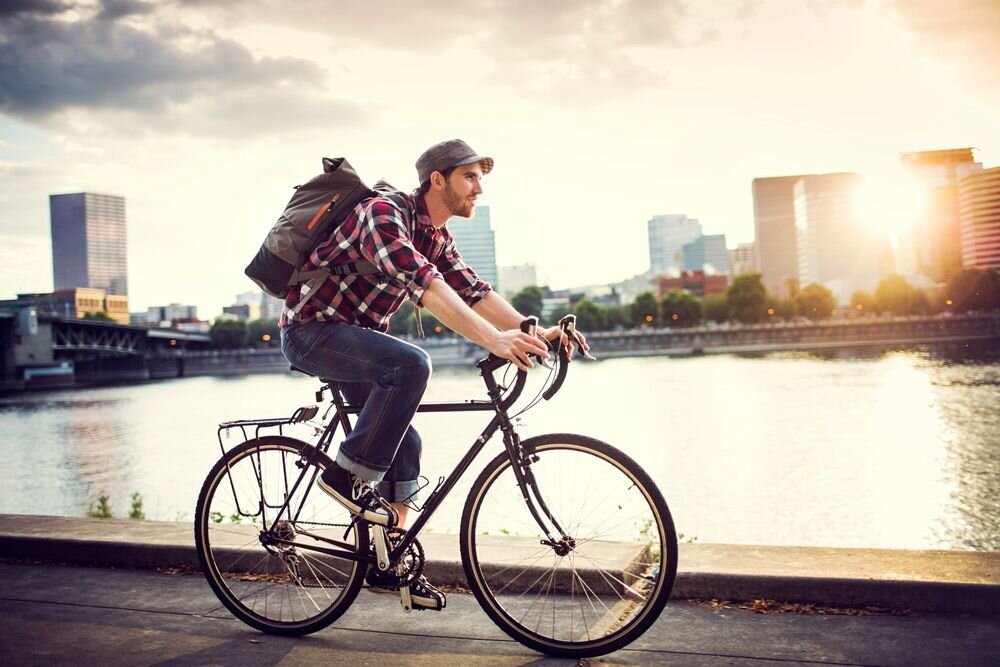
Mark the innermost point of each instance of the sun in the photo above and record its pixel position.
(889, 203)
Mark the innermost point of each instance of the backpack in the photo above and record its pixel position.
(314, 212)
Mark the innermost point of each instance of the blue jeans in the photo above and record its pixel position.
(388, 376)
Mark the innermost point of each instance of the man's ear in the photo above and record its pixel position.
(437, 178)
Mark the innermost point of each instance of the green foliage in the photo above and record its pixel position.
(529, 301)
(258, 329)
(616, 317)
(784, 308)
(895, 295)
(590, 316)
(645, 311)
(103, 508)
(815, 302)
(98, 315)
(973, 289)
(136, 511)
(680, 309)
(747, 298)
(715, 308)
(229, 334)
(863, 303)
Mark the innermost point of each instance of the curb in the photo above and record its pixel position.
(950, 582)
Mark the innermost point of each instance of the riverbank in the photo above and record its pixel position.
(956, 333)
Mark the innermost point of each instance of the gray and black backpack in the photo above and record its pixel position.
(313, 214)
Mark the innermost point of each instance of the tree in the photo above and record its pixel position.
(895, 295)
(590, 316)
(863, 303)
(229, 334)
(815, 302)
(680, 309)
(529, 301)
(783, 308)
(264, 333)
(616, 317)
(973, 289)
(715, 308)
(747, 298)
(644, 310)
(99, 315)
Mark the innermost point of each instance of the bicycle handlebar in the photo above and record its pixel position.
(529, 326)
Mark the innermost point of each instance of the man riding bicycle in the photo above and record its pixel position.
(339, 332)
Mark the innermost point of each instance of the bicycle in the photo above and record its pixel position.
(566, 542)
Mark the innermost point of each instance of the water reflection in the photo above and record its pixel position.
(888, 449)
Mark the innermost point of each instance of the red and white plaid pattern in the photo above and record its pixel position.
(409, 253)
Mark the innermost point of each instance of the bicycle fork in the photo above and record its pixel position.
(521, 464)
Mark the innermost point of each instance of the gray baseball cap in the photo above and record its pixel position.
(448, 154)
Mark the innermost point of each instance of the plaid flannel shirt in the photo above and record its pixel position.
(409, 253)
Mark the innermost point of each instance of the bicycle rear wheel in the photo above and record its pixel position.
(611, 574)
(262, 571)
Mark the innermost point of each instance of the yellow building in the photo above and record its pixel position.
(83, 301)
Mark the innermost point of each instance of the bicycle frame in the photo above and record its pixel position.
(520, 462)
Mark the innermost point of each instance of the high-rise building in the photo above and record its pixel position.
(667, 235)
(979, 213)
(706, 253)
(775, 241)
(937, 237)
(476, 241)
(88, 242)
(743, 259)
(835, 248)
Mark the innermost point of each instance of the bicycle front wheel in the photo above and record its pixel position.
(258, 521)
(604, 579)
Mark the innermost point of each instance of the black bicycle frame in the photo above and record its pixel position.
(520, 463)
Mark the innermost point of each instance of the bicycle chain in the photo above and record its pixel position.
(412, 561)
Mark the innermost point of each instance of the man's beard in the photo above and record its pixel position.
(456, 205)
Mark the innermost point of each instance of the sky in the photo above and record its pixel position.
(599, 114)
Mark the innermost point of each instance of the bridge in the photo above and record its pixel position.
(45, 350)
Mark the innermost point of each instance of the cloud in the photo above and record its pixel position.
(965, 32)
(123, 59)
(536, 47)
(13, 7)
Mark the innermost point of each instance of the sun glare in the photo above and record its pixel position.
(891, 202)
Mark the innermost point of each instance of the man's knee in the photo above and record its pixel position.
(414, 370)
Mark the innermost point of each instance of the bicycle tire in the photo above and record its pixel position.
(605, 592)
(278, 589)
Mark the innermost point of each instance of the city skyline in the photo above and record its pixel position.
(597, 120)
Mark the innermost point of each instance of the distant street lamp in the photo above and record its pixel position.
(266, 338)
(649, 318)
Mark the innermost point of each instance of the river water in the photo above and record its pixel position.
(897, 449)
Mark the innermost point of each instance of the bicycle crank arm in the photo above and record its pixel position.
(381, 548)
(405, 598)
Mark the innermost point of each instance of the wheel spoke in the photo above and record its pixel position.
(593, 598)
(264, 573)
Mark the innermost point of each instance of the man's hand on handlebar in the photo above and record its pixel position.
(578, 340)
(515, 345)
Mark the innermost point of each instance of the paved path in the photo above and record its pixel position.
(96, 616)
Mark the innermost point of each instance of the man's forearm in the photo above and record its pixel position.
(498, 312)
(444, 304)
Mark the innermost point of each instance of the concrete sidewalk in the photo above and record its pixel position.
(927, 581)
(69, 615)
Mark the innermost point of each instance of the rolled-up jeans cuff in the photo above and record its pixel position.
(397, 492)
(359, 469)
